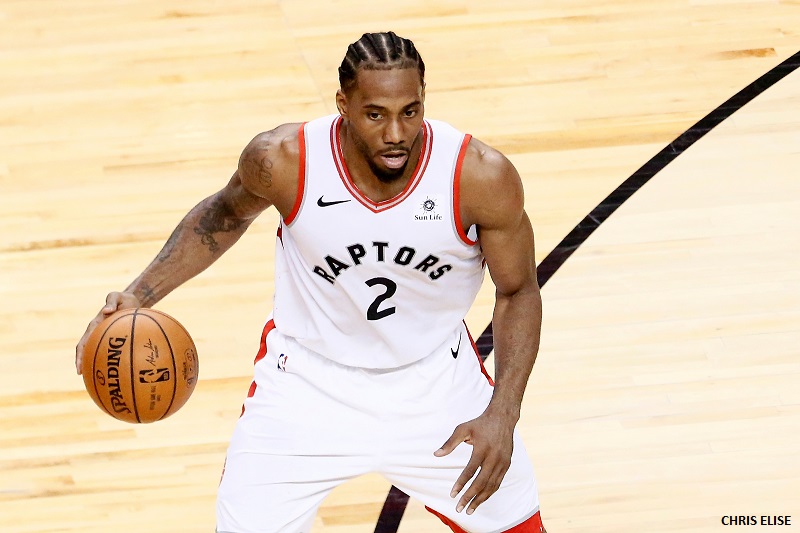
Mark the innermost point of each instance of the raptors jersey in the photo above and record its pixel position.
(375, 284)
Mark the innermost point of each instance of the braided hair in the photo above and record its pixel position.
(379, 51)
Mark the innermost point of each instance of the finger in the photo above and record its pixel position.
(466, 474)
(475, 488)
(78, 358)
(481, 497)
(486, 490)
(486, 484)
(81, 343)
(460, 434)
(112, 303)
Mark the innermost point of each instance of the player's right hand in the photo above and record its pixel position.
(114, 302)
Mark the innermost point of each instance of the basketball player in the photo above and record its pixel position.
(387, 222)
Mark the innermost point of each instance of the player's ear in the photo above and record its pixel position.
(341, 102)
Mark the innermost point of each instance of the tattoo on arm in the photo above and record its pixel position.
(166, 251)
(147, 294)
(259, 164)
(216, 218)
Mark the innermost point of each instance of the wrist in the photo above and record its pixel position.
(140, 295)
(507, 408)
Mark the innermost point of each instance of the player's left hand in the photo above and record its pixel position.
(491, 438)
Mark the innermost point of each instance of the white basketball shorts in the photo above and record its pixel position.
(310, 424)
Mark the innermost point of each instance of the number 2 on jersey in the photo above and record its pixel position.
(373, 313)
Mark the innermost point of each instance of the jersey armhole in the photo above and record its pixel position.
(462, 233)
(301, 175)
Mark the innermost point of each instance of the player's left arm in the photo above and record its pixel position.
(492, 198)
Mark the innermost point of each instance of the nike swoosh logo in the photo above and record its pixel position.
(323, 203)
(455, 352)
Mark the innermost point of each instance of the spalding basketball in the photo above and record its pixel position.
(140, 365)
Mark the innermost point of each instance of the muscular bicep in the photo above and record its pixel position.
(493, 200)
(509, 253)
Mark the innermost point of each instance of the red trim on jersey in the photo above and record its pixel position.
(301, 174)
(262, 352)
(531, 525)
(478, 355)
(344, 173)
(457, 191)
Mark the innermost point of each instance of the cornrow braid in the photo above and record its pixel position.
(379, 51)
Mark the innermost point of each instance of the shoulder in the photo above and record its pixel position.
(490, 189)
(284, 136)
(269, 163)
(279, 146)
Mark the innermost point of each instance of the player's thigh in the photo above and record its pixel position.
(291, 446)
(430, 479)
(259, 494)
(459, 392)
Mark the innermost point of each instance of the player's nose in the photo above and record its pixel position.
(393, 132)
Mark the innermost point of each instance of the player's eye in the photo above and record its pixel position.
(374, 115)
(411, 113)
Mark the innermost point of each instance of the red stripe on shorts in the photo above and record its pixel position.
(262, 352)
(531, 525)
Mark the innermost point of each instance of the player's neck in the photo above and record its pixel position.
(364, 177)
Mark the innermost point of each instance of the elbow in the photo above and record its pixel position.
(527, 291)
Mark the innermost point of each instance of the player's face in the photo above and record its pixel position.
(384, 111)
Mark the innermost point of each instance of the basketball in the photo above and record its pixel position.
(140, 365)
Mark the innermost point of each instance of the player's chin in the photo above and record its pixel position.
(386, 173)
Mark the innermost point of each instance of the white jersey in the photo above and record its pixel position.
(375, 284)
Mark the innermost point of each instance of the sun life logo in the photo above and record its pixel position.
(428, 210)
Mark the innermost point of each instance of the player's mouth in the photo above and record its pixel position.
(394, 159)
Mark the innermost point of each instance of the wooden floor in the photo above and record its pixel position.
(666, 392)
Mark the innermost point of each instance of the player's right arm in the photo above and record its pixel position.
(266, 175)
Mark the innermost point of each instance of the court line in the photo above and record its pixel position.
(396, 501)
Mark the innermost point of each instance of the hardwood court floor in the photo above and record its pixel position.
(664, 396)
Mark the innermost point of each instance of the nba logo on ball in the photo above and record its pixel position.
(149, 375)
(140, 365)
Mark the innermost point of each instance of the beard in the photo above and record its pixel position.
(386, 175)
